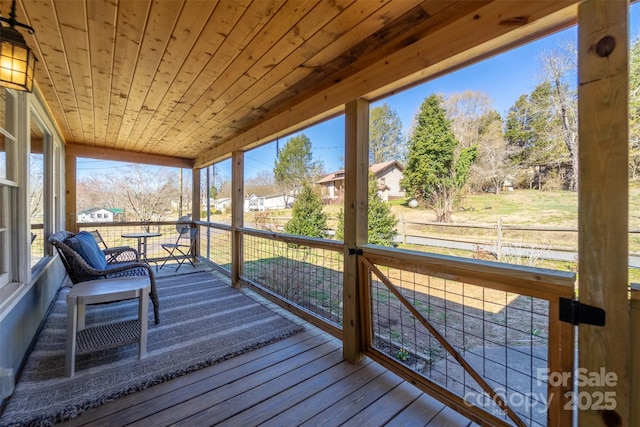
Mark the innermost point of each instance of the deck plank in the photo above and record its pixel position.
(351, 405)
(255, 395)
(223, 390)
(320, 401)
(386, 407)
(419, 413)
(138, 405)
(306, 389)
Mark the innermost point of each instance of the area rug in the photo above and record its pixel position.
(203, 321)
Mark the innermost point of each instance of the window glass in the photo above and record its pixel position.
(4, 231)
(3, 145)
(37, 191)
(3, 158)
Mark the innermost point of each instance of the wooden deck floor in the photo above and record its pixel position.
(302, 380)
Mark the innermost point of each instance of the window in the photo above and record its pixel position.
(41, 178)
(8, 188)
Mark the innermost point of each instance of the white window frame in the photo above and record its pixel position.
(16, 272)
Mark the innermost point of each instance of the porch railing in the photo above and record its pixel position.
(481, 336)
(305, 273)
(112, 232)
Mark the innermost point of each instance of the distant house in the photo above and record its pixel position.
(220, 204)
(388, 175)
(99, 215)
(263, 203)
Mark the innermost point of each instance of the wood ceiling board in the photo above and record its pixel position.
(494, 20)
(255, 17)
(160, 23)
(193, 18)
(72, 20)
(223, 23)
(132, 18)
(102, 23)
(273, 99)
(292, 41)
(373, 20)
(273, 40)
(274, 81)
(52, 62)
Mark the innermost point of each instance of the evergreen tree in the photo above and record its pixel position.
(385, 135)
(437, 169)
(307, 219)
(634, 110)
(295, 165)
(382, 223)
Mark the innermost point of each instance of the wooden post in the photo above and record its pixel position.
(499, 240)
(71, 215)
(635, 354)
(355, 223)
(603, 79)
(404, 230)
(237, 215)
(195, 205)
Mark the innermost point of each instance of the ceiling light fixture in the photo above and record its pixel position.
(17, 61)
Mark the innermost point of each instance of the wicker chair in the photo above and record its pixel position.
(115, 254)
(79, 270)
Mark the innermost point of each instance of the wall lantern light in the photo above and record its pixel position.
(17, 61)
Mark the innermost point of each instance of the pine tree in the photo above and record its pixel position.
(295, 165)
(385, 135)
(382, 223)
(437, 169)
(307, 219)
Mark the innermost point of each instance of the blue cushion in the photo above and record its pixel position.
(87, 247)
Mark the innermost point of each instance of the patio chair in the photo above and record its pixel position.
(183, 248)
(84, 260)
(115, 254)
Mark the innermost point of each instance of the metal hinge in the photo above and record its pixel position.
(353, 251)
(575, 312)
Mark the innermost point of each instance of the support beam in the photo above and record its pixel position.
(71, 215)
(195, 203)
(635, 354)
(603, 77)
(128, 156)
(237, 215)
(355, 223)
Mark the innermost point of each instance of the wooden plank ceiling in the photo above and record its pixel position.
(198, 79)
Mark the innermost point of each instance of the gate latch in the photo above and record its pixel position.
(575, 312)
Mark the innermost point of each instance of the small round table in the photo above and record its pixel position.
(142, 242)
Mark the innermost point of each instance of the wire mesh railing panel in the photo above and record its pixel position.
(308, 277)
(215, 245)
(114, 234)
(504, 336)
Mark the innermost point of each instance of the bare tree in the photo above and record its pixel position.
(145, 193)
(559, 67)
(467, 112)
(475, 123)
(36, 170)
(493, 166)
(263, 183)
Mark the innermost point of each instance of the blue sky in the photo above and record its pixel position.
(504, 78)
